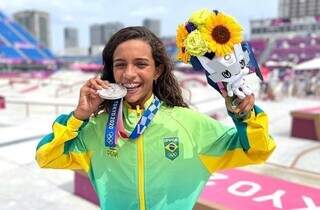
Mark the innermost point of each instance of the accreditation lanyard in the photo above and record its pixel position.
(115, 128)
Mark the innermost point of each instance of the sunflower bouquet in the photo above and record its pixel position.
(213, 41)
(207, 32)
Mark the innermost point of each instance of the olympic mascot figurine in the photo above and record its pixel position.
(213, 41)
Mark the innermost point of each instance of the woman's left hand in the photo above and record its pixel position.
(245, 105)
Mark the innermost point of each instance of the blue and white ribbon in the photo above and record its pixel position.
(111, 127)
(115, 116)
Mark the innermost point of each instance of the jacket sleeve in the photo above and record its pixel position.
(248, 143)
(63, 148)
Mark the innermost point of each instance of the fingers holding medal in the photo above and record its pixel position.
(93, 85)
(92, 94)
(89, 99)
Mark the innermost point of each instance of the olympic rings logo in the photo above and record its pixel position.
(110, 137)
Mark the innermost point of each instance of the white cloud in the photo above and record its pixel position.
(69, 19)
(154, 11)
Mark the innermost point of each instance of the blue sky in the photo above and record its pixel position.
(81, 14)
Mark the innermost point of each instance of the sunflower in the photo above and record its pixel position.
(183, 55)
(182, 34)
(221, 32)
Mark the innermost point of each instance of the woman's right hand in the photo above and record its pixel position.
(89, 99)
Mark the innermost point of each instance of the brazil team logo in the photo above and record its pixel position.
(171, 147)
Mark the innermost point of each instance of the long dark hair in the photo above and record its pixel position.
(166, 87)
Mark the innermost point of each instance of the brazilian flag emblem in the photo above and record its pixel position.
(171, 147)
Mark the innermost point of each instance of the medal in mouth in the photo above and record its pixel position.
(113, 92)
(132, 87)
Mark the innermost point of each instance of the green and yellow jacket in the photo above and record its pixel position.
(167, 167)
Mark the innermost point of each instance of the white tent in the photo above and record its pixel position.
(272, 63)
(183, 65)
(308, 65)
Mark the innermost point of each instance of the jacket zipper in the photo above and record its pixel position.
(140, 167)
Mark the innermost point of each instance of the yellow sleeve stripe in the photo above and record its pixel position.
(257, 133)
(254, 131)
(73, 160)
(73, 123)
(52, 154)
(231, 159)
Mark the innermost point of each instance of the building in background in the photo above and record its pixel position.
(20, 51)
(108, 29)
(284, 27)
(100, 35)
(71, 39)
(298, 8)
(291, 38)
(296, 18)
(153, 25)
(95, 35)
(37, 23)
(71, 43)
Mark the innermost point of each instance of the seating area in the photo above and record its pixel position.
(258, 46)
(9, 52)
(33, 54)
(19, 46)
(8, 34)
(296, 49)
(21, 30)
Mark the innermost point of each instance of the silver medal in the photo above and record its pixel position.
(113, 92)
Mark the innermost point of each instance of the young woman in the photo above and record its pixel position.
(167, 164)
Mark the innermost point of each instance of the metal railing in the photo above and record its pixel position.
(50, 102)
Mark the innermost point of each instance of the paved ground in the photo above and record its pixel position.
(25, 186)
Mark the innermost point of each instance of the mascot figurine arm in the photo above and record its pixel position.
(212, 41)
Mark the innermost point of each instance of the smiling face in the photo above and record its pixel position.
(134, 68)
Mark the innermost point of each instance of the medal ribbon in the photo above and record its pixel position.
(115, 128)
(111, 131)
